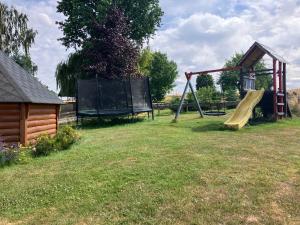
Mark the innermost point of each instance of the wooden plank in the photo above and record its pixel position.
(14, 138)
(9, 118)
(9, 132)
(41, 122)
(57, 115)
(11, 112)
(23, 124)
(41, 106)
(42, 111)
(41, 128)
(36, 135)
(9, 125)
(9, 106)
(41, 117)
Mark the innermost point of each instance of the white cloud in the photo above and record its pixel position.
(210, 33)
(196, 34)
(47, 52)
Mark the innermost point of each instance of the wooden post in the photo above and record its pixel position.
(57, 107)
(280, 89)
(275, 89)
(284, 89)
(23, 123)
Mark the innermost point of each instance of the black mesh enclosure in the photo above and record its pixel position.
(87, 96)
(104, 97)
(140, 95)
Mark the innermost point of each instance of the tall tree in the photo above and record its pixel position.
(229, 80)
(144, 61)
(16, 37)
(205, 80)
(109, 52)
(144, 16)
(25, 62)
(66, 74)
(15, 33)
(162, 73)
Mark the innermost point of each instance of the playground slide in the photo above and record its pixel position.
(244, 110)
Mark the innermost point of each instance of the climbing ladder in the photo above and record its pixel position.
(281, 108)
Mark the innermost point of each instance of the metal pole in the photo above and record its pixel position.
(196, 99)
(76, 97)
(98, 93)
(182, 100)
(150, 96)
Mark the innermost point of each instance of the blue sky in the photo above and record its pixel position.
(197, 35)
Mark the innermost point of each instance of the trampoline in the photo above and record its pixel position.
(99, 97)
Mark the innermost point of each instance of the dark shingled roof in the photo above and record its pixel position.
(17, 85)
(256, 52)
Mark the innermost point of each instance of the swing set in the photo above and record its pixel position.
(274, 101)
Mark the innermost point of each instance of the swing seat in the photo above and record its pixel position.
(214, 113)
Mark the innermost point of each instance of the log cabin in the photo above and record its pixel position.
(27, 107)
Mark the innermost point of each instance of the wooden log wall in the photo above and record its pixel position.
(42, 119)
(23, 123)
(10, 123)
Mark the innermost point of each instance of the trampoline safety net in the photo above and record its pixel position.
(103, 97)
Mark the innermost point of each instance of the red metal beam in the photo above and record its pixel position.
(213, 71)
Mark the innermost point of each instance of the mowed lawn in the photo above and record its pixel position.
(159, 172)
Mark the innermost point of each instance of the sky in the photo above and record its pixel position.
(196, 34)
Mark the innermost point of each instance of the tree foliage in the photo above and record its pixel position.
(66, 74)
(144, 61)
(16, 37)
(109, 52)
(15, 33)
(205, 80)
(230, 80)
(207, 95)
(161, 70)
(25, 62)
(144, 16)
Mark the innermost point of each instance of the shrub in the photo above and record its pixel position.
(44, 145)
(65, 137)
(295, 109)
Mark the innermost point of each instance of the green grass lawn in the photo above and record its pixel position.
(159, 172)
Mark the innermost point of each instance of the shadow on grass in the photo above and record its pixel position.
(260, 121)
(212, 126)
(95, 123)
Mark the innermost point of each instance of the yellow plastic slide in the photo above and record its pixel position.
(244, 110)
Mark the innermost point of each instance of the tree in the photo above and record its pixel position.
(66, 74)
(230, 80)
(109, 52)
(25, 62)
(144, 16)
(205, 80)
(162, 73)
(144, 61)
(16, 37)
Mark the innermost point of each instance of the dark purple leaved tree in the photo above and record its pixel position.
(109, 52)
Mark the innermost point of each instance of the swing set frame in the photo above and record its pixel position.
(189, 76)
(246, 66)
